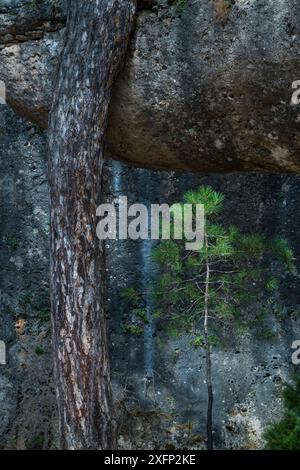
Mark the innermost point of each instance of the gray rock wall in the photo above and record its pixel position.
(26, 392)
(167, 408)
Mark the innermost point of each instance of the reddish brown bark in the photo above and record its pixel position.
(96, 39)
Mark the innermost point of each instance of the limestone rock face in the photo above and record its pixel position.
(248, 370)
(204, 88)
(30, 43)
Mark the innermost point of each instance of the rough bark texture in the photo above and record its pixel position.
(96, 39)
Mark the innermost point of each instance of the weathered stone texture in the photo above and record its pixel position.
(201, 90)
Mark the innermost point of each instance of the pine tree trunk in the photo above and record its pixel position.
(210, 397)
(96, 38)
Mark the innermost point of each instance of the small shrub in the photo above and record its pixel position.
(285, 435)
(132, 329)
(44, 315)
(12, 243)
(39, 351)
(25, 299)
(181, 5)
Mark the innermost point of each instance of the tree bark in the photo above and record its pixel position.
(210, 397)
(96, 39)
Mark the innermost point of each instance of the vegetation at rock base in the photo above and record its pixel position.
(285, 435)
(39, 351)
(12, 243)
(138, 316)
(181, 5)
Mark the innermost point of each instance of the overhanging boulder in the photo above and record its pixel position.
(206, 89)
